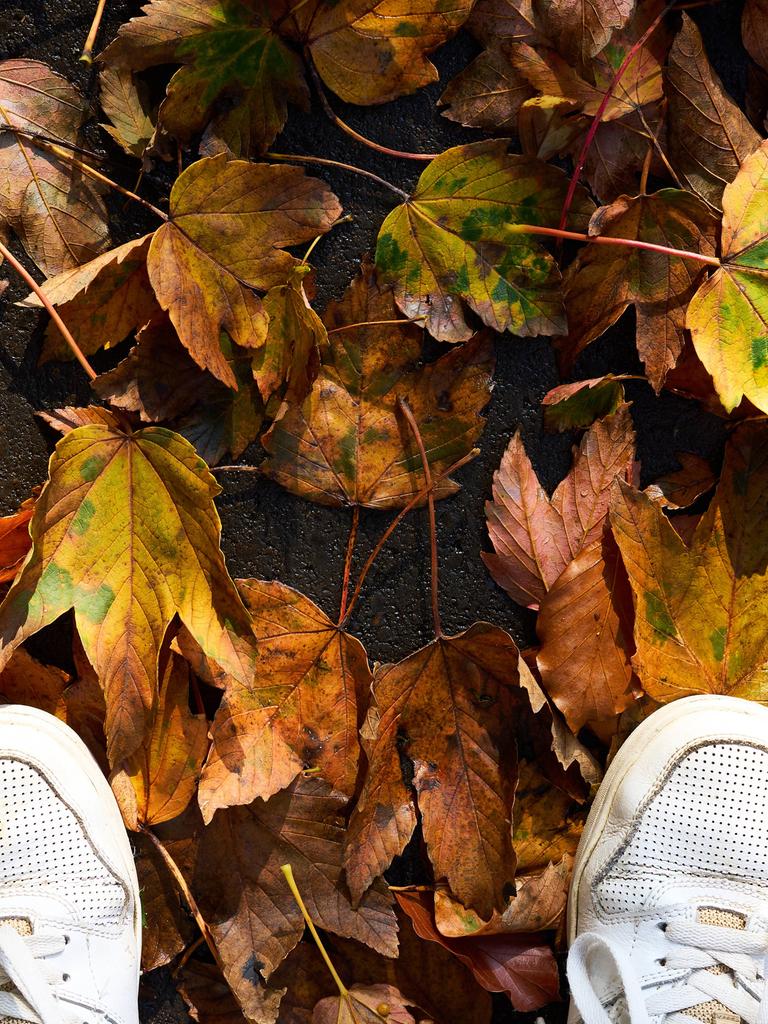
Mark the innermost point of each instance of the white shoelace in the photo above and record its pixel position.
(22, 964)
(696, 947)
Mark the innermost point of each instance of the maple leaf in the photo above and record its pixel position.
(166, 927)
(709, 136)
(449, 708)
(682, 487)
(347, 443)
(518, 965)
(535, 537)
(210, 1000)
(299, 710)
(695, 627)
(452, 241)
(229, 223)
(728, 315)
(578, 405)
(59, 216)
(125, 532)
(548, 822)
(125, 103)
(237, 77)
(233, 869)
(605, 280)
(493, 20)
(159, 779)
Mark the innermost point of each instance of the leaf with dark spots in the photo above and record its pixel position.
(125, 532)
(299, 710)
(451, 243)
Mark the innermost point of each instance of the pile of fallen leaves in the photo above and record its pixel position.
(242, 728)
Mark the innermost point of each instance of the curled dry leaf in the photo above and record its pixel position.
(157, 782)
(57, 213)
(709, 136)
(451, 710)
(578, 405)
(347, 443)
(695, 627)
(728, 315)
(535, 537)
(520, 966)
(126, 104)
(299, 710)
(233, 870)
(125, 532)
(605, 280)
(682, 487)
(451, 243)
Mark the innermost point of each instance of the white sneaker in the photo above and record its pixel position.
(668, 910)
(70, 918)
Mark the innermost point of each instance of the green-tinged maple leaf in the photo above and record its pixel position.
(709, 136)
(57, 213)
(158, 780)
(300, 710)
(232, 867)
(230, 222)
(578, 405)
(451, 242)
(125, 532)
(237, 77)
(605, 280)
(451, 709)
(728, 315)
(347, 443)
(696, 626)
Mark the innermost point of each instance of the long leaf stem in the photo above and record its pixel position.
(77, 352)
(405, 409)
(632, 243)
(376, 323)
(582, 158)
(287, 871)
(348, 561)
(349, 130)
(293, 158)
(415, 500)
(87, 55)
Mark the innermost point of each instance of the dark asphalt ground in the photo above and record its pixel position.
(267, 532)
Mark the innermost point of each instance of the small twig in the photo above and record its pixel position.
(348, 561)
(287, 871)
(632, 243)
(376, 323)
(77, 352)
(292, 158)
(654, 137)
(646, 168)
(582, 159)
(405, 409)
(87, 55)
(235, 469)
(334, 117)
(188, 953)
(39, 137)
(398, 519)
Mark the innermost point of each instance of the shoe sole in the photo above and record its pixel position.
(49, 727)
(629, 754)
